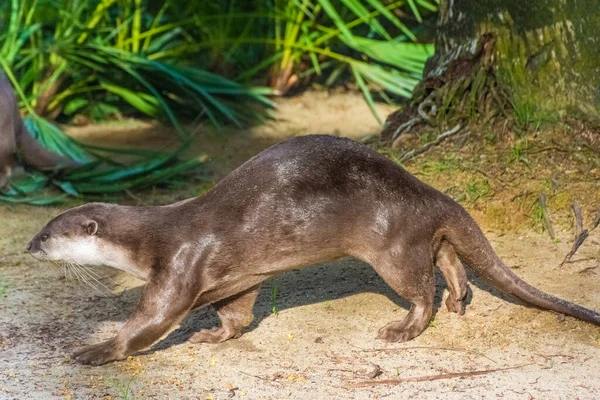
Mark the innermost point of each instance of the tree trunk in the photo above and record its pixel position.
(537, 60)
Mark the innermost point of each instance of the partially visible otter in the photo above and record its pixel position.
(304, 201)
(16, 144)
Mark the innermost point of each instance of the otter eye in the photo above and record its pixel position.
(44, 237)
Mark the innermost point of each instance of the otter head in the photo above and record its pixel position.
(72, 236)
(82, 235)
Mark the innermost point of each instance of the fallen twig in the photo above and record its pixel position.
(255, 376)
(596, 221)
(413, 153)
(433, 348)
(542, 200)
(578, 219)
(580, 239)
(427, 378)
(576, 245)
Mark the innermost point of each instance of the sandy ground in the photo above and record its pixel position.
(320, 343)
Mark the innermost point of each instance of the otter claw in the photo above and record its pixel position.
(97, 354)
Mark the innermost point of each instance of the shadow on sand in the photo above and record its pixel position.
(302, 287)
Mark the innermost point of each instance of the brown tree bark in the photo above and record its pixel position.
(537, 60)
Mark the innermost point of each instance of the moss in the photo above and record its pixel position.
(547, 51)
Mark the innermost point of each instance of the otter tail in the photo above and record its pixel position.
(34, 155)
(474, 249)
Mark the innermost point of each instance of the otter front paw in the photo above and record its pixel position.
(98, 354)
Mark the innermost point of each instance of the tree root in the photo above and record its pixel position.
(443, 136)
(465, 91)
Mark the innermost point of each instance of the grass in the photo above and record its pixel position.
(476, 189)
(529, 116)
(122, 387)
(448, 163)
(518, 150)
(536, 215)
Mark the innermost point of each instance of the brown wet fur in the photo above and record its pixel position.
(455, 275)
(307, 200)
(17, 146)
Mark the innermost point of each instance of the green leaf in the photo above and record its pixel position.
(366, 92)
(53, 139)
(66, 187)
(74, 105)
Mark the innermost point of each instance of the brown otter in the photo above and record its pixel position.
(303, 201)
(17, 146)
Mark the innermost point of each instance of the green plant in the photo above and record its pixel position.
(518, 150)
(491, 137)
(392, 154)
(101, 58)
(122, 388)
(386, 63)
(477, 189)
(529, 115)
(330, 41)
(536, 216)
(98, 175)
(449, 163)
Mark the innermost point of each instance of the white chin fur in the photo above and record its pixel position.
(92, 251)
(83, 251)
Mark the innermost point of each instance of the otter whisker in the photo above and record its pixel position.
(90, 270)
(80, 277)
(87, 272)
(94, 273)
(56, 267)
(90, 280)
(75, 272)
(67, 272)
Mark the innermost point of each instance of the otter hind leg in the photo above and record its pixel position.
(413, 279)
(8, 148)
(5, 174)
(235, 313)
(455, 275)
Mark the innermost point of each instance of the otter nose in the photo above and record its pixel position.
(28, 248)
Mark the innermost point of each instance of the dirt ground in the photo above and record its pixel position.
(314, 336)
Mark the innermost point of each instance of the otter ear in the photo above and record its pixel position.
(91, 227)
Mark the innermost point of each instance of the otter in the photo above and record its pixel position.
(17, 146)
(304, 201)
